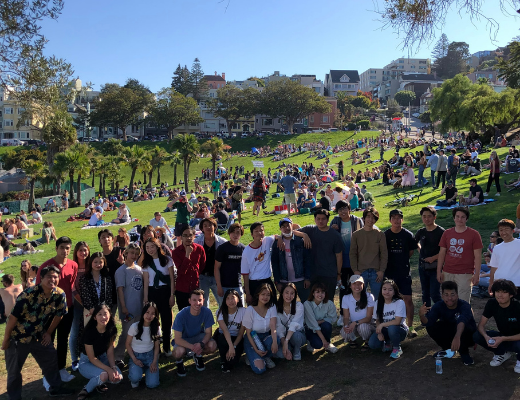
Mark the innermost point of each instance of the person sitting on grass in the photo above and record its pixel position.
(451, 193)
(481, 290)
(358, 308)
(96, 218)
(86, 213)
(476, 195)
(504, 341)
(123, 215)
(391, 328)
(450, 323)
(192, 331)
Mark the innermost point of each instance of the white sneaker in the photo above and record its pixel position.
(340, 322)
(517, 367)
(46, 384)
(135, 385)
(269, 363)
(247, 361)
(332, 349)
(486, 195)
(65, 376)
(497, 194)
(309, 348)
(499, 360)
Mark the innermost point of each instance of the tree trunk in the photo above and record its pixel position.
(31, 194)
(104, 194)
(170, 133)
(93, 179)
(71, 187)
(112, 183)
(131, 186)
(150, 179)
(158, 175)
(214, 161)
(124, 133)
(175, 174)
(144, 178)
(100, 183)
(57, 188)
(186, 175)
(117, 188)
(78, 194)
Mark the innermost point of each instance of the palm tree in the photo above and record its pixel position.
(147, 168)
(159, 158)
(134, 159)
(188, 148)
(65, 163)
(175, 160)
(82, 153)
(35, 170)
(215, 147)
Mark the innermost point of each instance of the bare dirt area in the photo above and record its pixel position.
(350, 373)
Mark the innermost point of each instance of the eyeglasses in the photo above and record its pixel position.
(492, 236)
(187, 236)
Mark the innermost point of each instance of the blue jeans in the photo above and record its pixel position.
(394, 334)
(251, 354)
(484, 281)
(430, 286)
(93, 373)
(74, 331)
(206, 283)
(502, 348)
(297, 340)
(422, 180)
(370, 276)
(432, 177)
(314, 339)
(135, 373)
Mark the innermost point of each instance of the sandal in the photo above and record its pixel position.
(83, 394)
(365, 346)
(103, 388)
(352, 344)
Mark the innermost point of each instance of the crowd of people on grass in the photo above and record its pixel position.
(275, 296)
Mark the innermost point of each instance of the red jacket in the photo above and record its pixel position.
(188, 269)
(68, 276)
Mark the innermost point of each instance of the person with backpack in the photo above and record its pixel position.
(453, 166)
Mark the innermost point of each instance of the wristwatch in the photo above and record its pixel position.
(357, 323)
(202, 344)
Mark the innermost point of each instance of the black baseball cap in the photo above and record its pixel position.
(396, 212)
(450, 182)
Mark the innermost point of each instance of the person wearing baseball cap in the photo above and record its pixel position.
(183, 214)
(357, 309)
(293, 263)
(401, 244)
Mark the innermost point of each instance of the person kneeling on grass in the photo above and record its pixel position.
(260, 323)
(192, 331)
(391, 328)
(97, 362)
(320, 314)
(358, 308)
(143, 344)
(506, 311)
(450, 323)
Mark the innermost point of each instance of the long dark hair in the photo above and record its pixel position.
(88, 268)
(263, 286)
(148, 259)
(111, 328)
(363, 300)
(224, 308)
(381, 299)
(154, 325)
(76, 249)
(279, 304)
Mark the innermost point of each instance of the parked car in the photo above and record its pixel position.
(11, 142)
(416, 115)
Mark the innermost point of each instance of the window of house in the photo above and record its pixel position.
(312, 118)
(373, 77)
(401, 61)
(325, 118)
(412, 66)
(267, 121)
(337, 86)
(422, 67)
(8, 110)
(20, 110)
(8, 122)
(422, 62)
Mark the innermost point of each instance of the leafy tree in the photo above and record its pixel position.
(199, 85)
(392, 107)
(181, 80)
(188, 149)
(112, 147)
(425, 117)
(233, 103)
(175, 161)
(215, 147)
(362, 100)
(35, 170)
(75, 160)
(509, 68)
(172, 109)
(261, 82)
(405, 97)
(159, 157)
(440, 50)
(134, 158)
(14, 158)
(291, 101)
(83, 153)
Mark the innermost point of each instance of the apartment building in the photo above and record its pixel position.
(342, 80)
(10, 115)
(311, 82)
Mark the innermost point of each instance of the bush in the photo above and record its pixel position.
(24, 195)
(397, 115)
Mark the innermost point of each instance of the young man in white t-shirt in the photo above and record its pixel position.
(505, 259)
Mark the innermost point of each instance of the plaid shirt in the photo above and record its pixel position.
(35, 312)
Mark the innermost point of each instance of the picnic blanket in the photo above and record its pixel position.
(486, 201)
(106, 225)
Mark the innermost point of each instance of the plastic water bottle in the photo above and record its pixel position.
(258, 342)
(438, 365)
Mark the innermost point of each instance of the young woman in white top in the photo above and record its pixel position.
(260, 318)
(230, 335)
(358, 307)
(289, 324)
(320, 314)
(143, 347)
(391, 328)
(159, 286)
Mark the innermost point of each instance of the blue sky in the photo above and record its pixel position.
(112, 40)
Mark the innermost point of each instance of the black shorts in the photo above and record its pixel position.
(177, 231)
(403, 282)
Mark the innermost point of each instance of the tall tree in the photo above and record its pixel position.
(172, 109)
(199, 86)
(405, 97)
(392, 107)
(181, 80)
(175, 161)
(509, 67)
(83, 154)
(440, 49)
(215, 147)
(188, 148)
(457, 59)
(291, 101)
(134, 158)
(35, 170)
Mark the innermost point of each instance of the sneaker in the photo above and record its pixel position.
(75, 365)
(224, 368)
(168, 353)
(269, 363)
(46, 384)
(190, 354)
(309, 348)
(486, 195)
(387, 347)
(412, 334)
(297, 356)
(181, 371)
(332, 349)
(199, 363)
(396, 353)
(61, 391)
(65, 376)
(517, 367)
(134, 385)
(247, 362)
(499, 360)
(466, 359)
(120, 364)
(497, 195)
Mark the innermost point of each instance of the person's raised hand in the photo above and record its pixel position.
(423, 310)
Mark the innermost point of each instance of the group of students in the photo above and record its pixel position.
(81, 296)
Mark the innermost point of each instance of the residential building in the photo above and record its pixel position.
(323, 120)
(424, 101)
(310, 81)
(370, 79)
(215, 81)
(419, 84)
(342, 80)
(490, 74)
(10, 115)
(274, 77)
